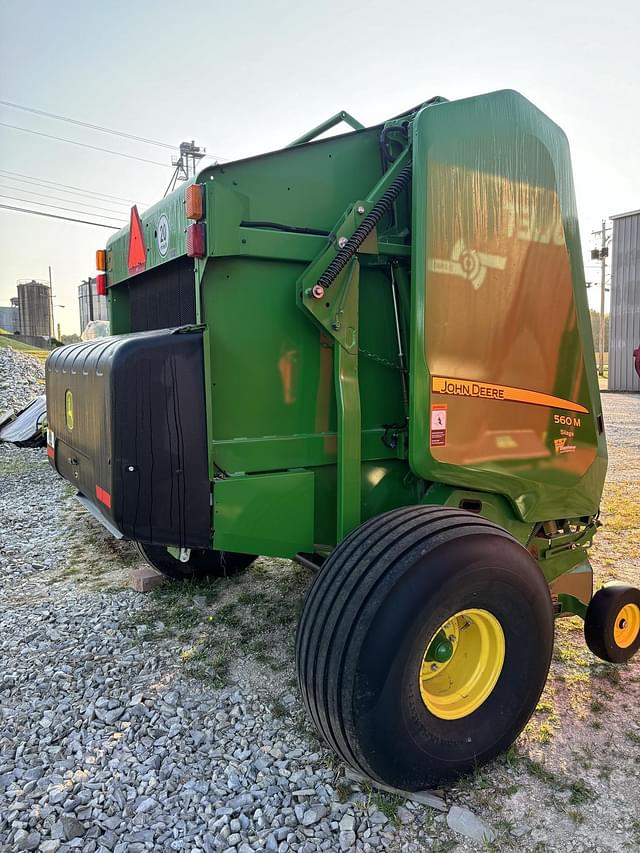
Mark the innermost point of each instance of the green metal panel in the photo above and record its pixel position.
(494, 507)
(164, 225)
(307, 186)
(270, 514)
(273, 401)
(499, 300)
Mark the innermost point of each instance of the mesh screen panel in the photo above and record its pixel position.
(164, 297)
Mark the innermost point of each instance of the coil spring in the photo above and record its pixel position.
(365, 228)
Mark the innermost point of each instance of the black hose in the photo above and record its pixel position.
(278, 226)
(309, 561)
(385, 157)
(365, 228)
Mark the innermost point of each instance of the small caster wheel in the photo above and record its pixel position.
(202, 563)
(612, 623)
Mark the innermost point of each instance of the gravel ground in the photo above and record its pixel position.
(21, 379)
(171, 721)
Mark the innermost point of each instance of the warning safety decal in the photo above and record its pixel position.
(438, 426)
(488, 391)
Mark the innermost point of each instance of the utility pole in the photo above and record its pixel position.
(52, 328)
(601, 255)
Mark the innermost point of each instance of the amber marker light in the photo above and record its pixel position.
(194, 201)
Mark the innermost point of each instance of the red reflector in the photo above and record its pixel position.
(51, 453)
(137, 257)
(103, 497)
(101, 284)
(195, 240)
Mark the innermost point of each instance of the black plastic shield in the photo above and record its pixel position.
(127, 427)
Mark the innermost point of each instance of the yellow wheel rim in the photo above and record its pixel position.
(627, 626)
(472, 641)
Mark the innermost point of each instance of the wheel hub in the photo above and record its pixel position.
(627, 625)
(462, 663)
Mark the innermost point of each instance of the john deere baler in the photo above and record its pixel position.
(370, 353)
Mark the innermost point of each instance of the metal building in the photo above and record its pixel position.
(624, 331)
(9, 319)
(34, 308)
(92, 307)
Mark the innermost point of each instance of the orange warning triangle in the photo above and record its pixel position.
(137, 258)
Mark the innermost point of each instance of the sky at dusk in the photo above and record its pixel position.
(244, 77)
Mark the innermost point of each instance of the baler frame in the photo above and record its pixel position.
(333, 303)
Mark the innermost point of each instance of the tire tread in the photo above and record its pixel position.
(333, 611)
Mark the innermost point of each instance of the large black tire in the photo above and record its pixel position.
(372, 610)
(612, 623)
(202, 562)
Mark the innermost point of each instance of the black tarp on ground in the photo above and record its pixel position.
(25, 429)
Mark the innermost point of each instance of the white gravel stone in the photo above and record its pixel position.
(21, 379)
(347, 822)
(314, 815)
(347, 840)
(465, 822)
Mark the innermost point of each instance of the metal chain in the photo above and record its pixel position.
(374, 357)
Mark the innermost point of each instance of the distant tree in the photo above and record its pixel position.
(595, 328)
(70, 339)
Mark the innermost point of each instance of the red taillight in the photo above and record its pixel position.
(196, 240)
(101, 284)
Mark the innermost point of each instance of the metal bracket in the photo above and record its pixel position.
(347, 386)
(182, 554)
(336, 310)
(343, 115)
(329, 311)
(569, 542)
(571, 604)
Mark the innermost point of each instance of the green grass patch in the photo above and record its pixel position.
(10, 341)
(387, 804)
(252, 615)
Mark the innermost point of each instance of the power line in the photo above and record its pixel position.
(31, 179)
(55, 216)
(89, 125)
(56, 207)
(59, 198)
(83, 144)
(101, 128)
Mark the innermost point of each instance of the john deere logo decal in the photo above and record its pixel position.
(68, 409)
(468, 264)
